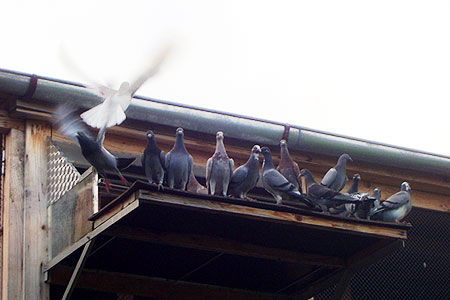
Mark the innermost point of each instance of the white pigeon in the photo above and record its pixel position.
(112, 110)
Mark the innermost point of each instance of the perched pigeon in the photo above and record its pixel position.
(377, 195)
(92, 149)
(322, 195)
(354, 186)
(396, 207)
(112, 110)
(153, 161)
(336, 178)
(219, 169)
(289, 168)
(276, 184)
(362, 209)
(194, 186)
(179, 163)
(246, 176)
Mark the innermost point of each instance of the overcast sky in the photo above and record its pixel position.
(377, 70)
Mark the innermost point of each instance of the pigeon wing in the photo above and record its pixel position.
(162, 159)
(239, 175)
(329, 177)
(277, 181)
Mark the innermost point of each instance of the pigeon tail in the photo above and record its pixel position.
(104, 115)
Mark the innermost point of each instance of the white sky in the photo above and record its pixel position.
(378, 70)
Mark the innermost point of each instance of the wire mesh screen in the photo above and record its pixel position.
(419, 270)
(62, 175)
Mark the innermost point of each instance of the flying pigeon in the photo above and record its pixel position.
(116, 101)
(322, 195)
(92, 149)
(336, 178)
(354, 186)
(289, 168)
(219, 169)
(153, 161)
(194, 186)
(179, 163)
(396, 207)
(246, 176)
(276, 184)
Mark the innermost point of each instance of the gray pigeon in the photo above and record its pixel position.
(153, 161)
(219, 169)
(289, 168)
(276, 184)
(354, 186)
(246, 176)
(194, 186)
(322, 195)
(377, 195)
(336, 178)
(92, 149)
(396, 207)
(179, 163)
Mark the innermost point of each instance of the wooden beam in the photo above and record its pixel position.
(158, 288)
(13, 194)
(7, 123)
(35, 209)
(78, 269)
(211, 243)
(274, 216)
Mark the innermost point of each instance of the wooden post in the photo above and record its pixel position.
(35, 209)
(12, 256)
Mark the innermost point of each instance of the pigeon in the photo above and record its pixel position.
(289, 168)
(354, 186)
(396, 207)
(246, 176)
(377, 195)
(322, 195)
(179, 163)
(276, 184)
(362, 209)
(219, 169)
(116, 101)
(153, 160)
(194, 186)
(336, 178)
(92, 149)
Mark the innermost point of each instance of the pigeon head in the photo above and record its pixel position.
(219, 135)
(265, 151)
(124, 87)
(345, 157)
(180, 131)
(150, 135)
(305, 172)
(357, 177)
(256, 149)
(283, 143)
(405, 187)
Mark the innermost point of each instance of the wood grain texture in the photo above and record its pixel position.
(13, 194)
(35, 209)
(157, 288)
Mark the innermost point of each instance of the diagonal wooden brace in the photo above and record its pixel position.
(76, 273)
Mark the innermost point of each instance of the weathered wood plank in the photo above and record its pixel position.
(7, 123)
(110, 213)
(13, 194)
(275, 216)
(157, 288)
(35, 209)
(211, 243)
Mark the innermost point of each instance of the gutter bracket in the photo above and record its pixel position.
(31, 87)
(287, 129)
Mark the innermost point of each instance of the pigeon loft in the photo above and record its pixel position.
(64, 235)
(173, 244)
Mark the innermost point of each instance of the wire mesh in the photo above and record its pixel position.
(419, 270)
(62, 175)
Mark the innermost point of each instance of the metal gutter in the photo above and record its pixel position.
(258, 131)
